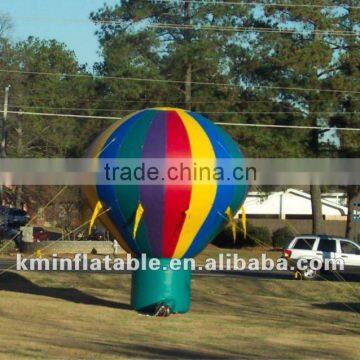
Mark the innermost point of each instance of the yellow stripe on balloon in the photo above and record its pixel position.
(202, 193)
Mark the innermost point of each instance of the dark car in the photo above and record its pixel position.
(40, 234)
(97, 235)
(10, 221)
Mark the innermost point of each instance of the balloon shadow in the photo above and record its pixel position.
(339, 306)
(10, 281)
(153, 352)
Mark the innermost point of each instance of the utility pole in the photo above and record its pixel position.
(3, 135)
(188, 74)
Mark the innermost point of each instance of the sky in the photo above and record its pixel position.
(41, 18)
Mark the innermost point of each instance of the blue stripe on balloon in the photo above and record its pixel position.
(224, 193)
(240, 189)
(107, 192)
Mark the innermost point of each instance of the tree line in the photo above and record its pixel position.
(284, 65)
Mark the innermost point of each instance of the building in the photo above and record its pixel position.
(293, 204)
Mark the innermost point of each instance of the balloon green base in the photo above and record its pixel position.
(171, 288)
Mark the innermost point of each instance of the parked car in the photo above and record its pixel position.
(12, 218)
(97, 235)
(320, 248)
(40, 234)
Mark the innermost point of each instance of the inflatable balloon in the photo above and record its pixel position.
(166, 219)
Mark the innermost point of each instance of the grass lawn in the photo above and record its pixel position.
(212, 251)
(87, 316)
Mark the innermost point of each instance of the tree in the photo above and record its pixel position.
(39, 136)
(137, 40)
(36, 136)
(346, 77)
(306, 59)
(5, 26)
(136, 43)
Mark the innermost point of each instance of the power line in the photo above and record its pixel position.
(284, 112)
(252, 29)
(205, 111)
(68, 108)
(161, 101)
(172, 81)
(218, 123)
(288, 126)
(62, 115)
(276, 112)
(261, 4)
(203, 27)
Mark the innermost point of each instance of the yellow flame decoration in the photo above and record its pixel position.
(95, 214)
(232, 222)
(243, 220)
(138, 216)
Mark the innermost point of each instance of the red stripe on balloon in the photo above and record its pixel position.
(177, 197)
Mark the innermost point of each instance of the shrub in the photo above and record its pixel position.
(256, 235)
(259, 235)
(225, 238)
(282, 236)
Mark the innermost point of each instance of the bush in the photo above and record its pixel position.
(256, 235)
(225, 238)
(281, 237)
(259, 235)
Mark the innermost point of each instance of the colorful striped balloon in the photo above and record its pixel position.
(168, 220)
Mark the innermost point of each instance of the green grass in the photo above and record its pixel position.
(87, 316)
